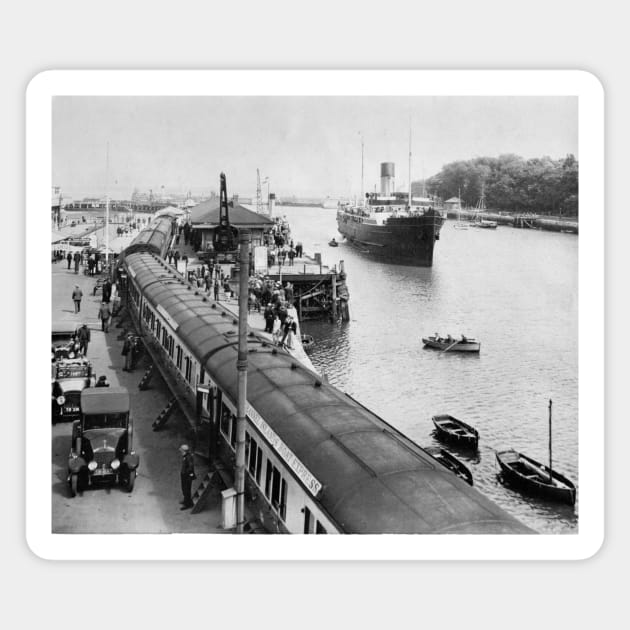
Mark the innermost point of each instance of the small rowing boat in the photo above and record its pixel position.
(453, 430)
(535, 478)
(450, 344)
(451, 462)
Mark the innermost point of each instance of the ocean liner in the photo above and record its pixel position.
(392, 225)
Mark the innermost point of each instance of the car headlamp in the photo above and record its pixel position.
(115, 464)
(92, 466)
(71, 354)
(61, 400)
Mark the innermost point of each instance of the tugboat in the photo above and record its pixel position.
(333, 243)
(392, 225)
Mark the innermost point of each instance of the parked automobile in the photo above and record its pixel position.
(64, 341)
(101, 451)
(69, 378)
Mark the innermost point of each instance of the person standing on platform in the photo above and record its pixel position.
(298, 250)
(187, 475)
(288, 291)
(77, 296)
(269, 316)
(77, 260)
(289, 327)
(69, 259)
(127, 352)
(84, 337)
(107, 290)
(105, 315)
(216, 290)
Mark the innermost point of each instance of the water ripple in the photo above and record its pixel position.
(516, 291)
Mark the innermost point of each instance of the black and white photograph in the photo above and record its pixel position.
(318, 313)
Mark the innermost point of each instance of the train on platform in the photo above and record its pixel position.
(317, 461)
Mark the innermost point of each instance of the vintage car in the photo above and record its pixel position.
(69, 378)
(101, 449)
(64, 342)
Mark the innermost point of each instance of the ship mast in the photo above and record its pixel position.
(362, 192)
(410, 164)
(107, 207)
(259, 209)
(550, 468)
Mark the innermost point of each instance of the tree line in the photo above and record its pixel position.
(509, 182)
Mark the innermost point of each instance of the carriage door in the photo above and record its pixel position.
(203, 430)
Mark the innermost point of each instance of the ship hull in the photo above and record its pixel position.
(408, 241)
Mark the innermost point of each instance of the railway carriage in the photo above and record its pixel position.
(156, 237)
(317, 461)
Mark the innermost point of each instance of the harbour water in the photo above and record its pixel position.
(515, 291)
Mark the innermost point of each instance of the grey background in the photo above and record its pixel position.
(459, 35)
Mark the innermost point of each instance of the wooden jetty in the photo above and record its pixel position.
(319, 291)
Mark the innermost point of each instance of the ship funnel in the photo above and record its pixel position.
(387, 179)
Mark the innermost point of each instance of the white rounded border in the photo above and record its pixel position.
(590, 93)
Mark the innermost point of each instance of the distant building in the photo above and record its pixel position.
(204, 218)
(454, 203)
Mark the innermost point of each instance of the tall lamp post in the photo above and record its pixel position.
(241, 367)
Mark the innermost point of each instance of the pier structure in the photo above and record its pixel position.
(319, 291)
(519, 220)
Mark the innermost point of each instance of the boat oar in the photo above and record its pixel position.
(449, 347)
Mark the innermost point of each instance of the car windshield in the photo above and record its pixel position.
(105, 421)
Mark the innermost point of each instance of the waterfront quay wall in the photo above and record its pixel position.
(519, 220)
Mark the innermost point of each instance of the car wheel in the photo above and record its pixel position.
(131, 480)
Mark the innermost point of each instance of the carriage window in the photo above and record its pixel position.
(276, 490)
(158, 329)
(224, 424)
(254, 460)
(171, 343)
(307, 520)
(202, 376)
(320, 529)
(188, 369)
(178, 361)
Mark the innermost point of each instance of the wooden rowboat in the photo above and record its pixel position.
(451, 462)
(449, 344)
(455, 431)
(535, 478)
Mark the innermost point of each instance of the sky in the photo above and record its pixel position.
(305, 145)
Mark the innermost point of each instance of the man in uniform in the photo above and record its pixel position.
(187, 475)
(127, 352)
(105, 315)
(77, 296)
(84, 337)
